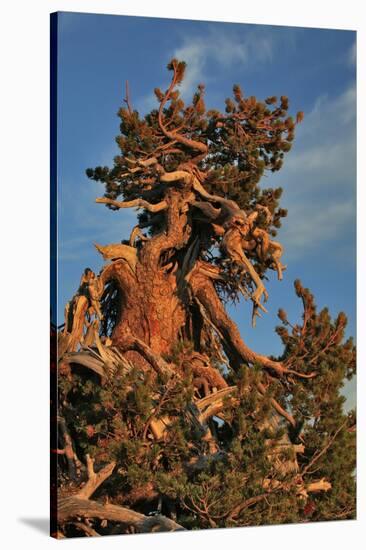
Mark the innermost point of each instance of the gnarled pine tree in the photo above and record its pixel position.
(163, 408)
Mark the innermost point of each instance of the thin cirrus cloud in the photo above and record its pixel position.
(218, 48)
(319, 177)
(316, 226)
(225, 50)
(92, 222)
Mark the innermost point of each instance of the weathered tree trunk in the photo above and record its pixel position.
(153, 312)
(152, 307)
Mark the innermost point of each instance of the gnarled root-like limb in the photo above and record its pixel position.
(276, 250)
(233, 246)
(79, 308)
(213, 404)
(205, 294)
(136, 233)
(136, 203)
(199, 365)
(155, 360)
(204, 291)
(89, 531)
(96, 288)
(75, 507)
(79, 506)
(228, 208)
(267, 246)
(119, 251)
(73, 462)
(94, 480)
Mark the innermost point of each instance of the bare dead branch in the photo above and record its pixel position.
(75, 507)
(155, 360)
(89, 531)
(318, 486)
(136, 203)
(94, 479)
(127, 98)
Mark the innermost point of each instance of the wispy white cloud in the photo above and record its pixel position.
(219, 48)
(314, 224)
(92, 222)
(224, 49)
(73, 248)
(330, 115)
(319, 177)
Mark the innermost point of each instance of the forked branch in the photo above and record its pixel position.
(94, 479)
(79, 506)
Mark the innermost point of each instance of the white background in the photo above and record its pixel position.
(24, 271)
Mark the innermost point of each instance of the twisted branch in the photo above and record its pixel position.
(79, 506)
(136, 203)
(94, 480)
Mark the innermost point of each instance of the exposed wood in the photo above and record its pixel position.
(79, 506)
(119, 252)
(318, 486)
(155, 360)
(136, 203)
(234, 346)
(89, 531)
(94, 479)
(76, 507)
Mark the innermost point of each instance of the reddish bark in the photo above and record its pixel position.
(152, 308)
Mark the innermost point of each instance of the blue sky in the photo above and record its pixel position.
(315, 68)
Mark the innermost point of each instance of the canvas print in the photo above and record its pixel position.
(203, 360)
